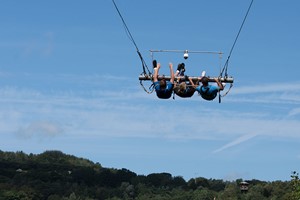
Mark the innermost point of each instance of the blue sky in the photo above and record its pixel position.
(69, 82)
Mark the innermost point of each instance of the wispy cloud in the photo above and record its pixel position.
(129, 112)
(40, 45)
(235, 142)
(268, 88)
(294, 112)
(40, 129)
(48, 48)
(276, 93)
(235, 175)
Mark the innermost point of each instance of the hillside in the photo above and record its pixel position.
(53, 175)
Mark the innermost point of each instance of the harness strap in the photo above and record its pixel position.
(151, 88)
(205, 91)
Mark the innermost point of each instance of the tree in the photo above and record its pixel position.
(202, 182)
(203, 194)
(159, 179)
(54, 175)
(231, 192)
(295, 183)
(192, 184)
(178, 181)
(128, 191)
(255, 193)
(216, 185)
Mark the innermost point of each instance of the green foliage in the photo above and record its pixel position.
(295, 184)
(53, 175)
(203, 194)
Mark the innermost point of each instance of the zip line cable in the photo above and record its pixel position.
(144, 65)
(226, 64)
(132, 40)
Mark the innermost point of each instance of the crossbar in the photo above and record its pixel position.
(186, 51)
(194, 78)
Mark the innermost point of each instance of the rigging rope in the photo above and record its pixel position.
(145, 67)
(236, 38)
(132, 40)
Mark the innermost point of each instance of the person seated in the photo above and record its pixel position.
(180, 70)
(208, 91)
(185, 88)
(163, 88)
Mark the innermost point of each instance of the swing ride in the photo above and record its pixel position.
(147, 75)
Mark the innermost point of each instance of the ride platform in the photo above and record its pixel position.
(194, 78)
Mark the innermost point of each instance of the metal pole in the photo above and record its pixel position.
(194, 78)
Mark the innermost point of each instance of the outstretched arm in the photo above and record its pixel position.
(171, 73)
(156, 69)
(199, 80)
(191, 81)
(219, 84)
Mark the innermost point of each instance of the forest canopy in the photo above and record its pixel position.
(54, 175)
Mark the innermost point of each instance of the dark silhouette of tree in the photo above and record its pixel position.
(53, 175)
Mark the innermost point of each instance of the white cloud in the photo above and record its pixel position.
(235, 175)
(133, 113)
(294, 112)
(40, 129)
(235, 142)
(273, 93)
(278, 88)
(48, 48)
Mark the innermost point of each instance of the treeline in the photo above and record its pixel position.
(54, 175)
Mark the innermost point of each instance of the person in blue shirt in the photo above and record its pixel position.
(163, 88)
(207, 91)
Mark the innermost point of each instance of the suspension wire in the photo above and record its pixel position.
(132, 40)
(226, 64)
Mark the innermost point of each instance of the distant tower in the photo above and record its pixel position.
(244, 186)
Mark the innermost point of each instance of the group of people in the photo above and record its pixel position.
(184, 86)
